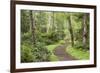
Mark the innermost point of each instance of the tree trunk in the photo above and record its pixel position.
(32, 20)
(84, 30)
(49, 22)
(54, 27)
(71, 29)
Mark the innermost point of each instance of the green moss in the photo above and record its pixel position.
(78, 53)
(53, 58)
(61, 42)
(51, 49)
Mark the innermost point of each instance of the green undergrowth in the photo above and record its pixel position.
(78, 53)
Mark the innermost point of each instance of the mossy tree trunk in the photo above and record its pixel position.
(32, 23)
(84, 30)
(71, 29)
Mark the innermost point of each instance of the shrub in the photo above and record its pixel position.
(49, 38)
(26, 53)
(56, 36)
(26, 37)
(41, 53)
(38, 53)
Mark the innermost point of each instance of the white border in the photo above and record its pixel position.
(53, 64)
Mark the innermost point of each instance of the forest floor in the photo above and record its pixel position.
(60, 52)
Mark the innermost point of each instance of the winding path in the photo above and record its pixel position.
(60, 52)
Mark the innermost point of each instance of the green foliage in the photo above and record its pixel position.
(41, 53)
(50, 38)
(79, 53)
(50, 30)
(53, 58)
(41, 21)
(26, 37)
(62, 42)
(26, 53)
(56, 36)
(25, 21)
(38, 53)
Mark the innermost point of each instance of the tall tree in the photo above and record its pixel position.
(32, 26)
(25, 21)
(70, 28)
(49, 22)
(54, 26)
(84, 30)
(53, 17)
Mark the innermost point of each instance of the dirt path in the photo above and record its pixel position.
(60, 52)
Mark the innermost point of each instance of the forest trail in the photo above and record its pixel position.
(60, 52)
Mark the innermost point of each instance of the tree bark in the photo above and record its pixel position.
(54, 27)
(49, 22)
(71, 29)
(32, 27)
(84, 30)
